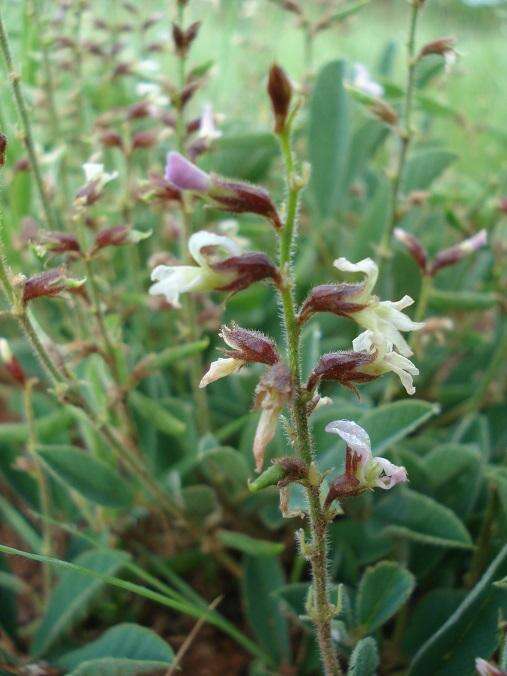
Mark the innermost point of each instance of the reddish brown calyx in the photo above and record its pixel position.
(247, 269)
(343, 367)
(335, 298)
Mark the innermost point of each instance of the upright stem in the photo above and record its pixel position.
(44, 497)
(323, 610)
(14, 77)
(407, 132)
(199, 395)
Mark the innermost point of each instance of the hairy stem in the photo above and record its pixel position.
(42, 484)
(322, 611)
(25, 122)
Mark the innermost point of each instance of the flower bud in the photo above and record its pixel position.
(282, 472)
(50, 283)
(249, 345)
(414, 246)
(455, 253)
(143, 139)
(280, 93)
(10, 362)
(384, 112)
(139, 110)
(342, 367)
(96, 179)
(272, 393)
(111, 139)
(246, 269)
(335, 298)
(23, 164)
(59, 242)
(183, 39)
(118, 236)
(442, 46)
(3, 148)
(160, 189)
(234, 196)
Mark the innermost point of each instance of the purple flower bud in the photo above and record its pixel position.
(455, 253)
(247, 269)
(239, 197)
(280, 93)
(184, 175)
(3, 148)
(50, 283)
(249, 346)
(342, 367)
(441, 47)
(335, 298)
(414, 246)
(59, 242)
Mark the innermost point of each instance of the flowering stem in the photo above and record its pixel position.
(199, 395)
(44, 497)
(406, 133)
(323, 611)
(25, 122)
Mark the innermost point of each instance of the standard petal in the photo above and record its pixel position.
(353, 435)
(185, 175)
(171, 281)
(265, 432)
(202, 239)
(367, 266)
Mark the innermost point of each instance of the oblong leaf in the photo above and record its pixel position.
(470, 632)
(328, 138)
(73, 595)
(137, 648)
(389, 423)
(364, 660)
(92, 478)
(157, 415)
(417, 517)
(248, 545)
(383, 589)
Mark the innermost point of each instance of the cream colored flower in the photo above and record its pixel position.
(382, 317)
(371, 472)
(386, 359)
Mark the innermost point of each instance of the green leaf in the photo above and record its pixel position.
(90, 477)
(227, 469)
(383, 589)
(471, 631)
(248, 545)
(376, 219)
(328, 138)
(389, 423)
(366, 140)
(430, 613)
(200, 502)
(156, 414)
(364, 660)
(263, 576)
(345, 12)
(455, 471)
(73, 595)
(446, 301)
(160, 360)
(243, 156)
(134, 648)
(424, 167)
(410, 515)
(18, 523)
(45, 428)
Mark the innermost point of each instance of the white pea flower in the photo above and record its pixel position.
(361, 79)
(94, 173)
(382, 317)
(220, 368)
(370, 472)
(173, 280)
(207, 128)
(386, 359)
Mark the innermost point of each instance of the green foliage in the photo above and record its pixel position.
(125, 648)
(382, 591)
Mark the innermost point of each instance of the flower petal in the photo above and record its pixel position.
(353, 435)
(391, 474)
(367, 266)
(202, 239)
(265, 432)
(185, 175)
(220, 369)
(171, 281)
